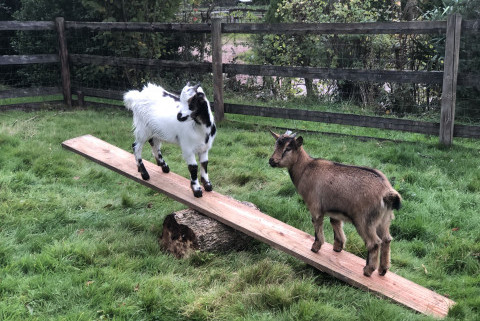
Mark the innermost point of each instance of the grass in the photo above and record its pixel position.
(79, 242)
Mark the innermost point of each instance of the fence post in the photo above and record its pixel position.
(450, 72)
(217, 69)
(63, 54)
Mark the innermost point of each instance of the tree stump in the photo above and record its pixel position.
(187, 231)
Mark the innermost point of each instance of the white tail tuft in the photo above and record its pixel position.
(130, 98)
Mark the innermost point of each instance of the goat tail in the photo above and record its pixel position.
(393, 200)
(130, 99)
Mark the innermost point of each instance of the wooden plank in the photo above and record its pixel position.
(28, 59)
(26, 25)
(409, 27)
(381, 76)
(343, 265)
(65, 67)
(139, 26)
(29, 92)
(450, 73)
(217, 69)
(336, 118)
(100, 93)
(192, 66)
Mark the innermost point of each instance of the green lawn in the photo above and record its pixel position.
(79, 242)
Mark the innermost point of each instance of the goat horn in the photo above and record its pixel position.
(275, 135)
(196, 86)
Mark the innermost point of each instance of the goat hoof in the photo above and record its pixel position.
(197, 193)
(337, 248)
(368, 270)
(145, 176)
(208, 187)
(382, 271)
(165, 169)
(316, 247)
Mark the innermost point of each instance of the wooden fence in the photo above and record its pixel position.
(449, 78)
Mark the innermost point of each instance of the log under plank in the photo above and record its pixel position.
(187, 231)
(344, 266)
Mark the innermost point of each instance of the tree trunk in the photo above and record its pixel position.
(187, 231)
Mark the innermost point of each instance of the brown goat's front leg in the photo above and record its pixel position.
(339, 238)
(319, 236)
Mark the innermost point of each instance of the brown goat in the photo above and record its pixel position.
(360, 195)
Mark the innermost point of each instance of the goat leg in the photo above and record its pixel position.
(319, 236)
(197, 190)
(156, 146)
(137, 151)
(339, 238)
(204, 177)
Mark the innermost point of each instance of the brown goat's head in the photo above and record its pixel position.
(286, 149)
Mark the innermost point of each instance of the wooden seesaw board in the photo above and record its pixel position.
(344, 266)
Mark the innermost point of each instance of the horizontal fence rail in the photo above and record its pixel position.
(26, 25)
(139, 26)
(216, 28)
(414, 27)
(427, 77)
(28, 59)
(125, 62)
(30, 92)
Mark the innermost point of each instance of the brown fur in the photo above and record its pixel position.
(360, 195)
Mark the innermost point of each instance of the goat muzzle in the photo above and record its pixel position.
(272, 162)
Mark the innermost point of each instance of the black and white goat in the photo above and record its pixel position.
(186, 120)
(356, 194)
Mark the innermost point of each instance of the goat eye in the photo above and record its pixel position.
(288, 149)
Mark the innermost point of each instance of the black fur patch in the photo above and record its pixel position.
(193, 169)
(199, 107)
(205, 165)
(180, 118)
(151, 141)
(213, 131)
(207, 138)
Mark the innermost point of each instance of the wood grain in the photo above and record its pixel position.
(344, 265)
(450, 72)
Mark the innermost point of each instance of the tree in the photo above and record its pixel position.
(144, 45)
(322, 50)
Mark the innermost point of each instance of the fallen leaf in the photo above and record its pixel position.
(137, 287)
(455, 229)
(76, 177)
(88, 283)
(80, 231)
(425, 269)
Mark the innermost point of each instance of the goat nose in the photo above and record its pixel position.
(272, 162)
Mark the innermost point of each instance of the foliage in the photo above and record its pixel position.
(353, 51)
(80, 242)
(467, 98)
(149, 45)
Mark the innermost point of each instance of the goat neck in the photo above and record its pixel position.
(297, 168)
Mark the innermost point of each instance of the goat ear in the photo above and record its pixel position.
(299, 141)
(196, 86)
(275, 135)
